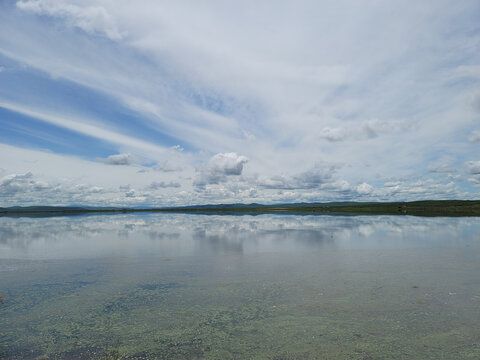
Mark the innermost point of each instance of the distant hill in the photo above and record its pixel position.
(423, 208)
(53, 208)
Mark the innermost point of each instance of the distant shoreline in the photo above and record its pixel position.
(418, 208)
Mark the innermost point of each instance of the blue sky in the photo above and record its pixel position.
(156, 103)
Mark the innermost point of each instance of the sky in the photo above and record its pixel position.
(169, 103)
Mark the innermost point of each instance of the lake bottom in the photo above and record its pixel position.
(356, 304)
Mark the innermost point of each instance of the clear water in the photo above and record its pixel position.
(176, 286)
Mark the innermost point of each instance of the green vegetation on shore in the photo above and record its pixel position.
(420, 208)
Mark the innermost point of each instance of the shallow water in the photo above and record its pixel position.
(180, 286)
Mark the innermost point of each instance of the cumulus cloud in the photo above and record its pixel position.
(374, 127)
(440, 168)
(333, 134)
(219, 168)
(21, 183)
(130, 193)
(248, 136)
(474, 136)
(227, 163)
(443, 165)
(28, 189)
(364, 188)
(120, 159)
(166, 166)
(85, 189)
(369, 129)
(475, 101)
(177, 148)
(162, 185)
(473, 169)
(475, 179)
(419, 189)
(468, 71)
(320, 174)
(91, 19)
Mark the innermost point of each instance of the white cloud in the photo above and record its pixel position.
(364, 188)
(166, 166)
(468, 71)
(21, 183)
(85, 189)
(442, 165)
(475, 101)
(335, 134)
(219, 167)
(227, 163)
(369, 129)
(130, 193)
(473, 167)
(38, 177)
(162, 185)
(320, 174)
(474, 136)
(91, 19)
(249, 136)
(58, 180)
(177, 148)
(120, 159)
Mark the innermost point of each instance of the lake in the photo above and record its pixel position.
(185, 286)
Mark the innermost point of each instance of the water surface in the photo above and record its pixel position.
(182, 286)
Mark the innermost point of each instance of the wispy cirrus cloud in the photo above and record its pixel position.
(287, 87)
(83, 126)
(91, 19)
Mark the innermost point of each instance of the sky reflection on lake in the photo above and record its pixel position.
(148, 235)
